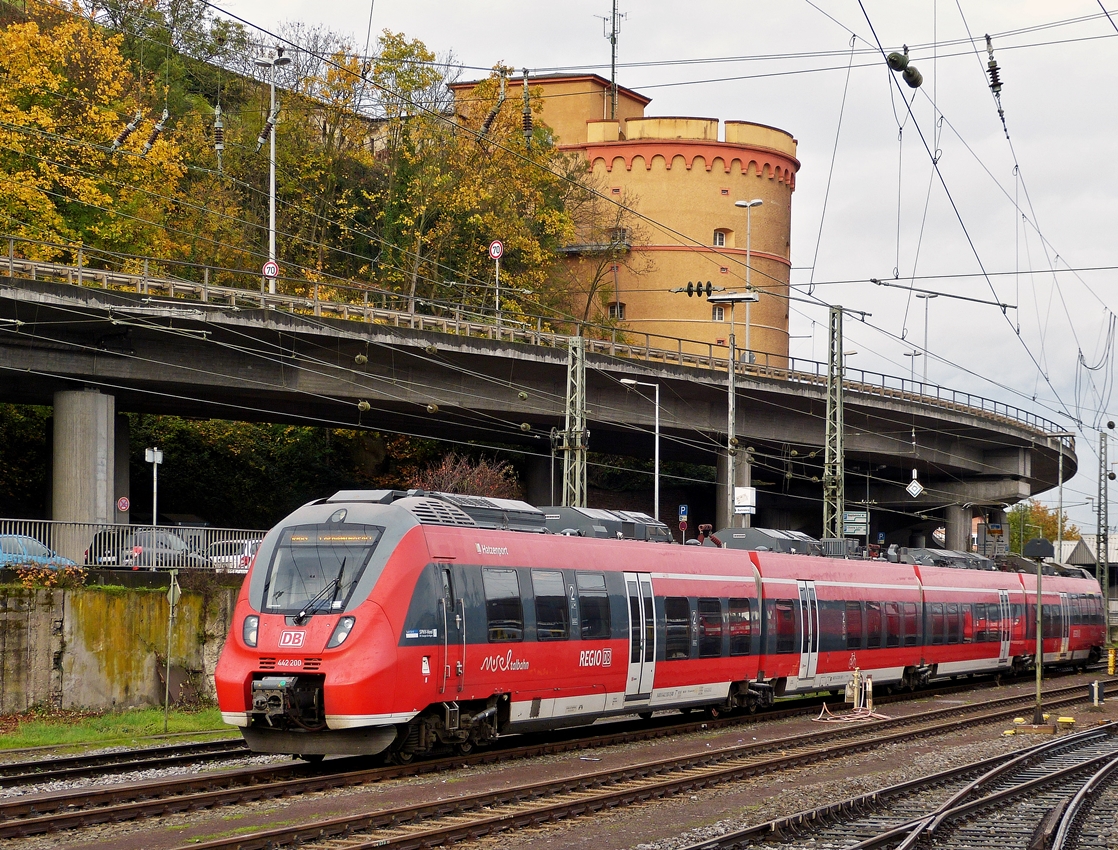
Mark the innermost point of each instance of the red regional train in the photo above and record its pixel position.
(378, 621)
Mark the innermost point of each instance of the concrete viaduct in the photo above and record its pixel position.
(93, 351)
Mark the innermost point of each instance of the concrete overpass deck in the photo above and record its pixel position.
(292, 360)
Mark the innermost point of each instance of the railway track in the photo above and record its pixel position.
(55, 769)
(1013, 801)
(472, 815)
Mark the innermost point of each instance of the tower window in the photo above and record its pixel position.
(720, 239)
(617, 310)
(717, 313)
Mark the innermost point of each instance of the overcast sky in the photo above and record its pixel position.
(785, 63)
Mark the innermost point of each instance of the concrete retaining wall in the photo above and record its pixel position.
(105, 646)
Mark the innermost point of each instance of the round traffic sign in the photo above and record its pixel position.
(496, 249)
(683, 525)
(122, 504)
(271, 269)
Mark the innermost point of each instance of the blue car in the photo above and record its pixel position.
(20, 550)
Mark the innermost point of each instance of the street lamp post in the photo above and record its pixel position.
(732, 298)
(271, 63)
(927, 296)
(630, 382)
(912, 365)
(1060, 491)
(748, 206)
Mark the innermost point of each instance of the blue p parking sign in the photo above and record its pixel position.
(683, 513)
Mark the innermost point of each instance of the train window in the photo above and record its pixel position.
(952, 622)
(1050, 623)
(853, 625)
(502, 605)
(710, 628)
(892, 624)
(937, 622)
(910, 635)
(994, 622)
(315, 568)
(782, 625)
(1076, 611)
(593, 606)
(741, 626)
(634, 623)
(552, 612)
(873, 625)
(832, 628)
(677, 619)
(1030, 621)
(980, 627)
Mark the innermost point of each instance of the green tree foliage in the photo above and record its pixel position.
(1039, 521)
(68, 95)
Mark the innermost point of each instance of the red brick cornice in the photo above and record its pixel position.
(768, 162)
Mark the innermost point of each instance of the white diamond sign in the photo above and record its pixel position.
(914, 488)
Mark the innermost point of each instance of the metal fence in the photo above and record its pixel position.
(195, 284)
(133, 546)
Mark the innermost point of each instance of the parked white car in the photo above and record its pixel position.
(232, 556)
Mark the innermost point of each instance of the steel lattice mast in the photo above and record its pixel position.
(574, 437)
(833, 476)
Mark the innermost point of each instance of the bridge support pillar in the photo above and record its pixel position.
(957, 528)
(743, 473)
(84, 457)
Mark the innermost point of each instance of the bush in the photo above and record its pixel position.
(32, 577)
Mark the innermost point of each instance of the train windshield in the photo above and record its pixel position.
(316, 567)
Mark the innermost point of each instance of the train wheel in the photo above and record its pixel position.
(312, 758)
(714, 712)
(644, 715)
(464, 748)
(402, 757)
(685, 710)
(752, 706)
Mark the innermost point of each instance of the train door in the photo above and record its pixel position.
(809, 630)
(452, 610)
(1005, 627)
(1065, 624)
(642, 637)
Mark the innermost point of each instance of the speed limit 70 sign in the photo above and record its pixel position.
(496, 249)
(271, 269)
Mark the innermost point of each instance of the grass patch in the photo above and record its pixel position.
(40, 728)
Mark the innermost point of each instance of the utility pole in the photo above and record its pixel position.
(575, 436)
(612, 30)
(833, 454)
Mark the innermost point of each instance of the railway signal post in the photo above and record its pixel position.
(1037, 550)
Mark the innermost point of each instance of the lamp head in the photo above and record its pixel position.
(629, 382)
(756, 202)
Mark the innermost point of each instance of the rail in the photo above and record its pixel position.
(338, 298)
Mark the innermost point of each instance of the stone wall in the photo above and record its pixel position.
(104, 646)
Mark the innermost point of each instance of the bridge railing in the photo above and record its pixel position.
(114, 545)
(242, 289)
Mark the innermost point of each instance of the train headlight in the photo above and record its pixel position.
(251, 629)
(341, 632)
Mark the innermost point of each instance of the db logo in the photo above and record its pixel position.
(292, 639)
